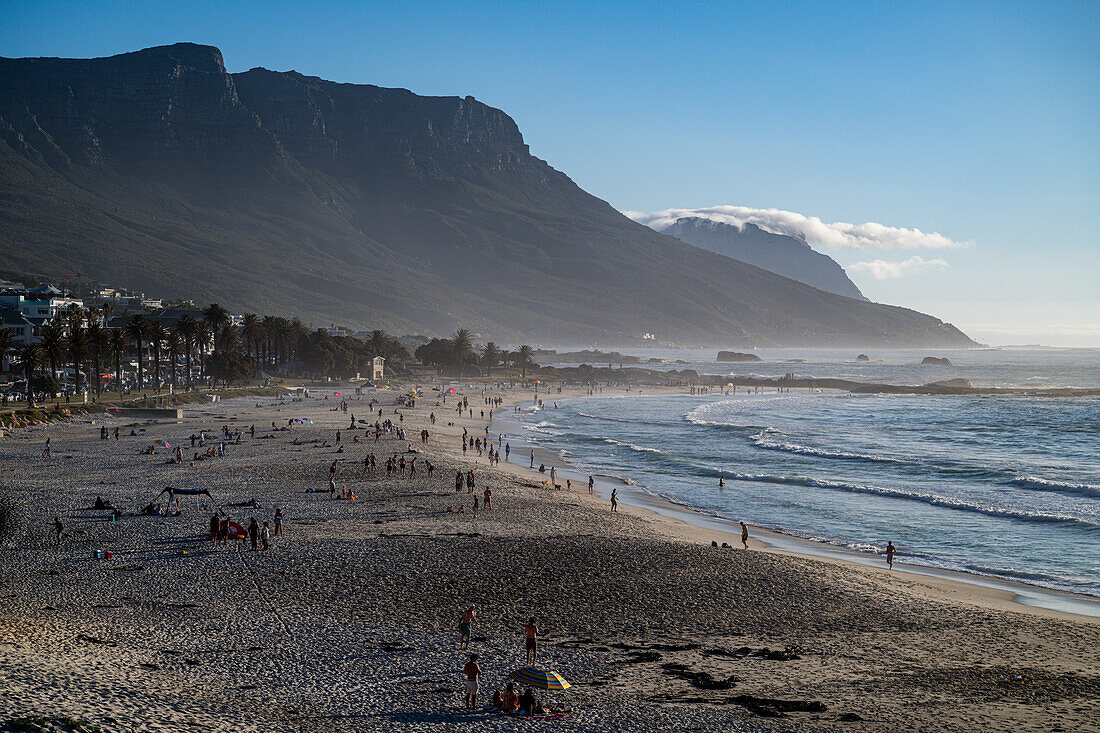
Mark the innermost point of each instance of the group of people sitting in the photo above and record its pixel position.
(509, 701)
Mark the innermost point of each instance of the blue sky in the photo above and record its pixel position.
(975, 120)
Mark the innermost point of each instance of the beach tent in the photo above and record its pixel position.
(164, 444)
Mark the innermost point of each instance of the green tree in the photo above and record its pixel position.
(523, 359)
(187, 328)
(490, 357)
(462, 349)
(98, 338)
(31, 357)
(174, 345)
(216, 318)
(158, 335)
(53, 343)
(137, 328)
(250, 329)
(7, 340)
(118, 342)
(80, 351)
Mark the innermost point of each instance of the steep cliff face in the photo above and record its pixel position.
(779, 253)
(277, 192)
(169, 113)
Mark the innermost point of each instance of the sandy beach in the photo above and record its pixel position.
(349, 621)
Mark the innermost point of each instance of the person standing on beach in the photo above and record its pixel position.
(532, 458)
(473, 673)
(265, 536)
(488, 499)
(58, 528)
(278, 522)
(614, 500)
(531, 644)
(46, 450)
(591, 485)
(890, 554)
(254, 533)
(469, 618)
(744, 535)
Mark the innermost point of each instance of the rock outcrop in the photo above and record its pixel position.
(936, 361)
(737, 356)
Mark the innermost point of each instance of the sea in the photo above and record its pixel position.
(1004, 487)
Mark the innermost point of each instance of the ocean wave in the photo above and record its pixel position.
(633, 446)
(760, 440)
(1062, 487)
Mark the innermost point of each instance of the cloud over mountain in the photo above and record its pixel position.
(883, 270)
(869, 235)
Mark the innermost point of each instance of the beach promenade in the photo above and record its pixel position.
(349, 621)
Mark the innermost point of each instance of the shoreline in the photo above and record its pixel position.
(690, 524)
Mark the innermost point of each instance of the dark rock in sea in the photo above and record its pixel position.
(937, 361)
(957, 383)
(737, 356)
(863, 357)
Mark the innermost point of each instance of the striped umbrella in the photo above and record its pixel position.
(540, 677)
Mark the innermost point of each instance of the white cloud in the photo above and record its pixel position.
(883, 270)
(838, 234)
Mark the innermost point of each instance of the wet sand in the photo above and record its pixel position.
(349, 621)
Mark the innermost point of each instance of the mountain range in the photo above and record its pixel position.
(783, 254)
(275, 192)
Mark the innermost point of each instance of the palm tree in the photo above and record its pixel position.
(158, 334)
(31, 356)
(118, 342)
(250, 329)
(98, 338)
(136, 329)
(269, 326)
(79, 349)
(174, 346)
(490, 355)
(523, 359)
(215, 317)
(7, 340)
(462, 348)
(53, 344)
(202, 340)
(187, 327)
(230, 337)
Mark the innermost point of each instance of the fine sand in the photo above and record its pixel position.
(349, 621)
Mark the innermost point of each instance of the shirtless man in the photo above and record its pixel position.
(890, 554)
(473, 674)
(614, 500)
(744, 535)
(469, 618)
(531, 632)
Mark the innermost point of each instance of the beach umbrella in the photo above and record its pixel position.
(337, 394)
(540, 677)
(164, 444)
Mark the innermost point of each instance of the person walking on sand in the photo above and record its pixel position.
(744, 535)
(488, 503)
(614, 500)
(465, 624)
(265, 536)
(591, 485)
(473, 674)
(531, 644)
(58, 528)
(890, 554)
(46, 450)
